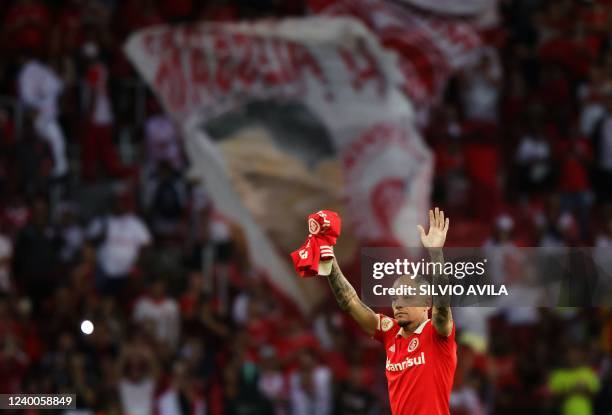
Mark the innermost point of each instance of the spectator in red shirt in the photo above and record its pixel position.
(97, 145)
(189, 301)
(482, 161)
(574, 184)
(68, 30)
(26, 24)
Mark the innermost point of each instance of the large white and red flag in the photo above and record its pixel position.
(430, 46)
(283, 118)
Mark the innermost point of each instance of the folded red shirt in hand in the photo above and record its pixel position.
(323, 231)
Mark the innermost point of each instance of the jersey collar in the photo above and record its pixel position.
(418, 330)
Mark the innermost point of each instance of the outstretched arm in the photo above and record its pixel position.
(442, 318)
(349, 301)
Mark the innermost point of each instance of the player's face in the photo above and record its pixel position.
(409, 311)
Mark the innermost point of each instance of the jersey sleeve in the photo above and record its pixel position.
(387, 328)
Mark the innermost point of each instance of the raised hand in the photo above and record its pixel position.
(438, 226)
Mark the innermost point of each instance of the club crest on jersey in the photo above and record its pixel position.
(313, 226)
(414, 343)
(386, 323)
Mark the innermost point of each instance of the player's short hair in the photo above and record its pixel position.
(416, 281)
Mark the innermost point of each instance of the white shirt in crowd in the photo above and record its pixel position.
(124, 237)
(590, 115)
(272, 384)
(40, 88)
(523, 315)
(466, 400)
(73, 242)
(602, 257)
(481, 97)
(137, 397)
(164, 314)
(102, 113)
(6, 254)
(240, 308)
(169, 404)
(481, 90)
(532, 149)
(303, 403)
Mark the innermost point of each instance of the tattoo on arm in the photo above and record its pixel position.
(441, 303)
(342, 289)
(362, 305)
(349, 301)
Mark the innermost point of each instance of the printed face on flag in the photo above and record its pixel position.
(278, 180)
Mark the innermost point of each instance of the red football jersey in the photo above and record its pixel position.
(420, 368)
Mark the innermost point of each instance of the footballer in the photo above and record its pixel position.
(421, 352)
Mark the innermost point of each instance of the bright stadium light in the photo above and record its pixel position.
(87, 327)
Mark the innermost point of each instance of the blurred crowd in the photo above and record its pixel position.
(101, 221)
(523, 136)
